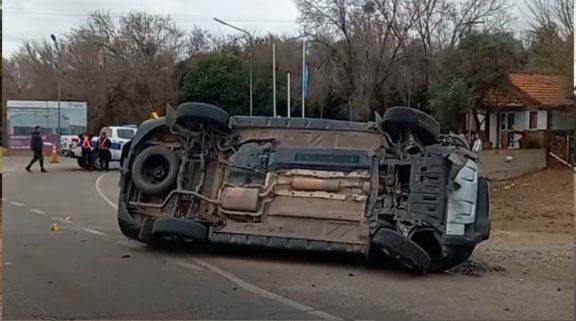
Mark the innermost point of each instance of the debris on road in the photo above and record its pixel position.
(55, 227)
(125, 256)
(475, 268)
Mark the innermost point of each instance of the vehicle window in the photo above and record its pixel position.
(126, 133)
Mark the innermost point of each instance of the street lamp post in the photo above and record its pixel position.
(59, 88)
(251, 57)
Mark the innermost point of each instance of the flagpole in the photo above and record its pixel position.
(288, 93)
(303, 79)
(274, 78)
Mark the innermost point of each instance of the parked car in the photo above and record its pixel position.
(389, 189)
(118, 135)
(67, 143)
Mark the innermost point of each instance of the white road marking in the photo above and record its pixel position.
(99, 190)
(185, 264)
(97, 228)
(17, 204)
(89, 230)
(131, 244)
(265, 293)
(7, 263)
(238, 281)
(37, 211)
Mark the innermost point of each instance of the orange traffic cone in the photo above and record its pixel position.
(54, 155)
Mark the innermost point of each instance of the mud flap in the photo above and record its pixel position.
(179, 229)
(402, 250)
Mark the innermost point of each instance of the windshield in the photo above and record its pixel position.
(126, 133)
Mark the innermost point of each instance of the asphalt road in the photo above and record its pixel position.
(88, 270)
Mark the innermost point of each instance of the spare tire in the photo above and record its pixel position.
(155, 170)
(422, 125)
(201, 112)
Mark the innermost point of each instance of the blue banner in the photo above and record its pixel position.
(306, 81)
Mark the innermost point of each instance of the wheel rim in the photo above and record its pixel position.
(155, 169)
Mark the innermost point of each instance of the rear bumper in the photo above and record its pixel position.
(129, 226)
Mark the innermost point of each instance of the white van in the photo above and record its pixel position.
(118, 136)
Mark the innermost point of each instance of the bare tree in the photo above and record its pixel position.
(365, 41)
(125, 70)
(557, 13)
(551, 36)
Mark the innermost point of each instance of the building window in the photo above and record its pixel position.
(533, 119)
(511, 120)
(507, 121)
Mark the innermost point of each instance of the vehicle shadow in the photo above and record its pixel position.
(358, 262)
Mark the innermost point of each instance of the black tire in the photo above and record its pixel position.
(402, 250)
(80, 162)
(422, 125)
(155, 170)
(96, 162)
(201, 112)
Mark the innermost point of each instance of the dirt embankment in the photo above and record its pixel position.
(541, 202)
(532, 226)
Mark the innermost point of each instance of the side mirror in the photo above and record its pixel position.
(170, 116)
(377, 117)
(378, 121)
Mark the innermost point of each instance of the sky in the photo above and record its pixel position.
(25, 20)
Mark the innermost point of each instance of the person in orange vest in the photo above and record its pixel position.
(87, 151)
(104, 151)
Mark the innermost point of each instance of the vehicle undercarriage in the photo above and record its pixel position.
(394, 188)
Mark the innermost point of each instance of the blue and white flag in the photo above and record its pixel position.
(306, 81)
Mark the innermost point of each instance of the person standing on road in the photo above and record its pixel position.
(104, 151)
(87, 151)
(477, 147)
(37, 146)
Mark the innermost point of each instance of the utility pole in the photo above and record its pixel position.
(274, 79)
(59, 88)
(304, 79)
(251, 39)
(288, 93)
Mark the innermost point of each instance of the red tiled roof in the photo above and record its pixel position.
(533, 90)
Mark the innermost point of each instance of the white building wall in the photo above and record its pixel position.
(542, 119)
(493, 128)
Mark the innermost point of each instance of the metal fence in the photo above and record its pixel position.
(562, 145)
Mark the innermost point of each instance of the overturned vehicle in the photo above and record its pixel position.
(390, 189)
